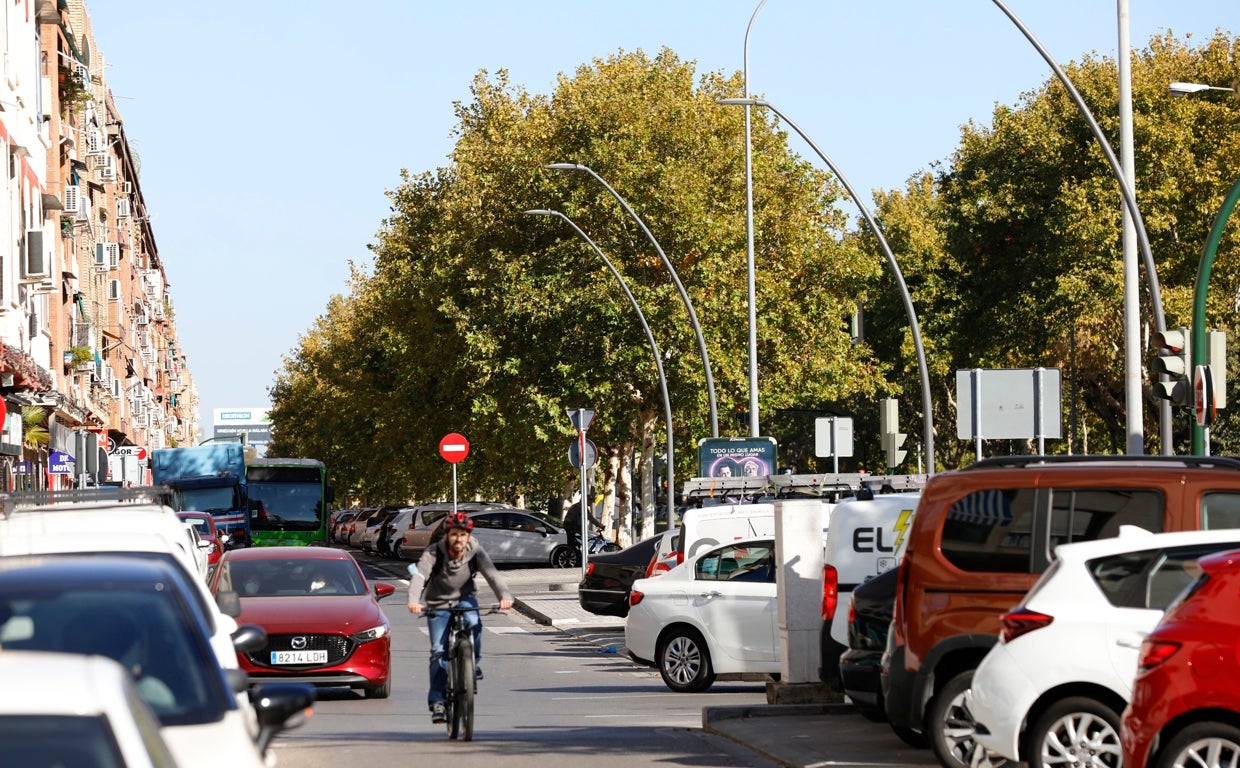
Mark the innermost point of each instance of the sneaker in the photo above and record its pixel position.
(439, 713)
(477, 672)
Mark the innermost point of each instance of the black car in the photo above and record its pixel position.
(860, 665)
(604, 590)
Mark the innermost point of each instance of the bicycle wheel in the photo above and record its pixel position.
(463, 660)
(450, 698)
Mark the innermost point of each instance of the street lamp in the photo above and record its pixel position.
(654, 348)
(749, 259)
(693, 319)
(926, 402)
(1183, 89)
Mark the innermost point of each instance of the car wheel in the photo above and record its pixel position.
(1074, 733)
(379, 691)
(562, 557)
(396, 550)
(949, 728)
(684, 661)
(1206, 745)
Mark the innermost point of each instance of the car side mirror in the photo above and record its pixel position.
(279, 707)
(383, 589)
(249, 638)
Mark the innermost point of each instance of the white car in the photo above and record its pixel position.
(65, 709)
(1055, 685)
(714, 616)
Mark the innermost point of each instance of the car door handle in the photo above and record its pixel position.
(712, 594)
(1130, 640)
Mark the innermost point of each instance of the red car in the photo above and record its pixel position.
(207, 531)
(322, 618)
(1185, 707)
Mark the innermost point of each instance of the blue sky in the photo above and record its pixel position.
(269, 132)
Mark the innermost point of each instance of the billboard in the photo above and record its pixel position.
(736, 456)
(254, 423)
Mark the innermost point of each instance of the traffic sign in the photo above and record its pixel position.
(132, 450)
(453, 448)
(574, 453)
(1203, 395)
(581, 418)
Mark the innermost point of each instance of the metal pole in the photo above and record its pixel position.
(684, 295)
(749, 263)
(1132, 310)
(654, 347)
(927, 404)
(1204, 267)
(585, 519)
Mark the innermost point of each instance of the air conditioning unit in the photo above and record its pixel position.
(98, 162)
(83, 76)
(73, 197)
(108, 171)
(122, 208)
(35, 265)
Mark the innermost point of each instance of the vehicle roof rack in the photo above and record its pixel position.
(1193, 462)
(20, 500)
(829, 486)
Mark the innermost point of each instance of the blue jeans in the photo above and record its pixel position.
(438, 625)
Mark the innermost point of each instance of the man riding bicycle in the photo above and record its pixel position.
(444, 576)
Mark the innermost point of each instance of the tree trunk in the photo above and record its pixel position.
(646, 425)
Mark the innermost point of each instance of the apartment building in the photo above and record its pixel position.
(88, 338)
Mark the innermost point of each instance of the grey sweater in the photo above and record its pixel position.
(452, 580)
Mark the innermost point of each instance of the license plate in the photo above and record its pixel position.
(299, 657)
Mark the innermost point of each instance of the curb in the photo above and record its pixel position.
(712, 715)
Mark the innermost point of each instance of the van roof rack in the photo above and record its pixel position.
(1193, 462)
(768, 487)
(19, 500)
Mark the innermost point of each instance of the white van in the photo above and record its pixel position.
(867, 537)
(706, 527)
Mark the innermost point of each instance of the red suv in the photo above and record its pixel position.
(1185, 707)
(982, 536)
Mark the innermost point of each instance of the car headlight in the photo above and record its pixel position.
(366, 636)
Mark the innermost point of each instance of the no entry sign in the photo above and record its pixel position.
(453, 448)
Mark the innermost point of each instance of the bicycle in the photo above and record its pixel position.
(462, 683)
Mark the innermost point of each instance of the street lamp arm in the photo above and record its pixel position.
(684, 295)
(927, 403)
(1180, 89)
(654, 348)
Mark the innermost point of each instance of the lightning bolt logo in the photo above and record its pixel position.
(901, 526)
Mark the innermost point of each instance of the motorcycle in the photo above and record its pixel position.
(597, 543)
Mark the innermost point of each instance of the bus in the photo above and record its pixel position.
(289, 501)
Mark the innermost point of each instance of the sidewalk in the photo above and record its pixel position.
(793, 735)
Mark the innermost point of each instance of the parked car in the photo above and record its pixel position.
(357, 526)
(396, 528)
(1185, 708)
(981, 537)
(668, 553)
(374, 538)
(103, 723)
(204, 523)
(1062, 671)
(339, 520)
(513, 536)
(322, 618)
(713, 617)
(869, 618)
(140, 613)
(419, 529)
(604, 589)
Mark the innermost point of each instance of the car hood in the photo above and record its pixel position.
(226, 742)
(327, 613)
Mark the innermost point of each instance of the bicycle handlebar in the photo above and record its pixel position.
(489, 609)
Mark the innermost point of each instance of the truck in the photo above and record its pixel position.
(208, 478)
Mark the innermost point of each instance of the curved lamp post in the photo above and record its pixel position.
(654, 347)
(697, 329)
(926, 402)
(749, 261)
(1130, 200)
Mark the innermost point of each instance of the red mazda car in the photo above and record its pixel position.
(323, 621)
(1185, 707)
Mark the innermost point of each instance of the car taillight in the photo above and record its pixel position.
(1155, 652)
(635, 597)
(589, 568)
(1021, 621)
(830, 591)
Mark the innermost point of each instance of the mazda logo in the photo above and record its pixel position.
(299, 643)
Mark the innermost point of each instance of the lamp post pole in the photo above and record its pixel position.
(926, 401)
(1130, 202)
(654, 348)
(693, 318)
(749, 263)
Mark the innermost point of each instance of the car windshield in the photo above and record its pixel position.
(149, 629)
(290, 577)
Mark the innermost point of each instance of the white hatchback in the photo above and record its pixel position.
(1053, 689)
(715, 616)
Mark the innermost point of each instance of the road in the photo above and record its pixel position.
(548, 699)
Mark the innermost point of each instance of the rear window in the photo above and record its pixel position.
(1016, 530)
(1151, 579)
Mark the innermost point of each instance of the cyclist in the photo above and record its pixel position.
(444, 576)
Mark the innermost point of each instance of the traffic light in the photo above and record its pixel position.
(1176, 360)
(890, 437)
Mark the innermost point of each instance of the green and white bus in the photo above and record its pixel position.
(289, 501)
